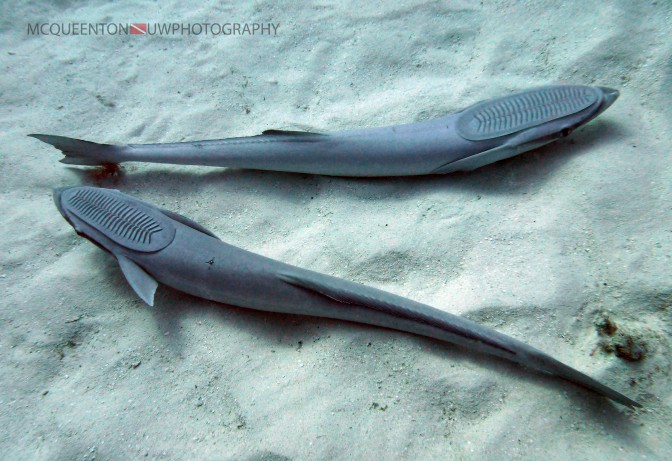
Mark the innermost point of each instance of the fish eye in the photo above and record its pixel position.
(565, 132)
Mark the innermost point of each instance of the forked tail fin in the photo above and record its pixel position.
(548, 364)
(80, 152)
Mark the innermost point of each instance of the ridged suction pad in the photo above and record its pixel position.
(503, 116)
(122, 219)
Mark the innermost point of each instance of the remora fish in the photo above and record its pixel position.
(154, 245)
(481, 134)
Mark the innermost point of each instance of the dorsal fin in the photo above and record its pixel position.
(325, 288)
(359, 295)
(274, 132)
(188, 222)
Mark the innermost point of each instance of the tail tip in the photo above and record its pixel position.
(79, 151)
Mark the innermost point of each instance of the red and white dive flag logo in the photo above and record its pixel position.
(138, 29)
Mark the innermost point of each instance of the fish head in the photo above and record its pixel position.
(505, 127)
(535, 117)
(114, 221)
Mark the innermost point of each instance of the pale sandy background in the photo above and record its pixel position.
(536, 246)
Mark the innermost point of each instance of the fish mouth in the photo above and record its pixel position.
(56, 194)
(609, 96)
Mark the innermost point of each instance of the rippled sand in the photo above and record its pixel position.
(552, 247)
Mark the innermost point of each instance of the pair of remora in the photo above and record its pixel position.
(154, 245)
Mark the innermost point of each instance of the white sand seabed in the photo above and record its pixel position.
(536, 246)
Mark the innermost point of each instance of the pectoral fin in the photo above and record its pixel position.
(188, 222)
(478, 160)
(143, 283)
(514, 146)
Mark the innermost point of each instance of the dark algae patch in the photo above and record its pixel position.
(627, 344)
(631, 349)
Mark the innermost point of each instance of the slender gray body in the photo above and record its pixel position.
(481, 134)
(154, 245)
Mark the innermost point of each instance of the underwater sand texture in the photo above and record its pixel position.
(567, 248)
